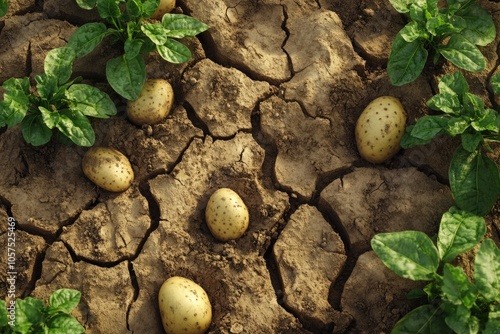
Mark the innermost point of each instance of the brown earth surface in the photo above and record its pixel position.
(267, 107)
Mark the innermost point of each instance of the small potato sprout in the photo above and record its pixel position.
(108, 168)
(184, 307)
(153, 104)
(226, 215)
(379, 129)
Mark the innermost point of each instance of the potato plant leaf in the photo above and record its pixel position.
(64, 300)
(487, 272)
(410, 254)
(29, 312)
(35, 131)
(445, 102)
(428, 127)
(495, 83)
(493, 322)
(156, 32)
(76, 127)
(471, 141)
(479, 26)
(463, 53)
(90, 101)
(126, 76)
(453, 84)
(86, 4)
(174, 52)
(460, 319)
(180, 25)
(406, 61)
(49, 118)
(474, 181)
(59, 63)
(86, 38)
(63, 323)
(457, 289)
(402, 6)
(424, 319)
(108, 9)
(459, 231)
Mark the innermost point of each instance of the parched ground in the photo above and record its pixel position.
(267, 107)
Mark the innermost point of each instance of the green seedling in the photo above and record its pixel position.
(125, 22)
(455, 303)
(56, 105)
(474, 178)
(4, 7)
(32, 316)
(454, 32)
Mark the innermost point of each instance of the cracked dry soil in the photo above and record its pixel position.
(267, 107)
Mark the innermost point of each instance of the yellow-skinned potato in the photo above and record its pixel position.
(226, 215)
(108, 168)
(184, 306)
(153, 104)
(165, 6)
(379, 129)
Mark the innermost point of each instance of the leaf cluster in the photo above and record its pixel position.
(56, 105)
(474, 178)
(456, 304)
(454, 32)
(32, 316)
(125, 21)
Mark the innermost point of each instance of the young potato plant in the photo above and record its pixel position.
(474, 178)
(453, 32)
(456, 304)
(125, 22)
(56, 105)
(32, 316)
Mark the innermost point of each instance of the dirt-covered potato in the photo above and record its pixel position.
(165, 6)
(184, 306)
(379, 129)
(226, 215)
(153, 104)
(108, 168)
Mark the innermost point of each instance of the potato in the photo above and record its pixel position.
(226, 215)
(379, 129)
(184, 306)
(153, 104)
(108, 168)
(165, 6)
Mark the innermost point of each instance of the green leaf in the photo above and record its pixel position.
(46, 86)
(473, 105)
(487, 272)
(59, 63)
(495, 83)
(76, 127)
(406, 60)
(174, 52)
(402, 6)
(64, 300)
(134, 8)
(29, 313)
(133, 48)
(180, 25)
(479, 25)
(463, 53)
(460, 320)
(3, 314)
(16, 101)
(456, 125)
(126, 76)
(474, 181)
(155, 32)
(459, 231)
(443, 25)
(488, 121)
(457, 289)
(410, 254)
(445, 102)
(64, 324)
(471, 141)
(149, 7)
(34, 130)
(50, 118)
(493, 323)
(4, 7)
(428, 127)
(408, 141)
(90, 101)
(86, 4)
(413, 31)
(86, 38)
(453, 84)
(108, 9)
(424, 319)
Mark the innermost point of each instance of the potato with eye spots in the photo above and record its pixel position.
(184, 306)
(153, 104)
(379, 129)
(108, 168)
(226, 215)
